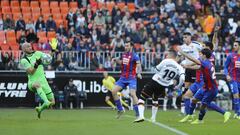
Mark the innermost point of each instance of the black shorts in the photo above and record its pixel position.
(154, 90)
(109, 93)
(190, 75)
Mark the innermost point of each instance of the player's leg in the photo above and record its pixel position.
(123, 102)
(158, 91)
(119, 85)
(48, 91)
(208, 97)
(145, 93)
(197, 97)
(107, 100)
(217, 108)
(133, 86)
(235, 92)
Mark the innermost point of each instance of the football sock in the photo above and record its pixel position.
(187, 105)
(124, 103)
(119, 105)
(192, 107)
(110, 104)
(135, 108)
(236, 105)
(216, 108)
(141, 108)
(42, 95)
(154, 109)
(202, 114)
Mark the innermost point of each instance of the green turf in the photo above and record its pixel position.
(103, 122)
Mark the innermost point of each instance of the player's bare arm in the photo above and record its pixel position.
(189, 57)
(139, 69)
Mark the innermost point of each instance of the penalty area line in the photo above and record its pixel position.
(163, 126)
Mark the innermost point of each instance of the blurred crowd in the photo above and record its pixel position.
(154, 26)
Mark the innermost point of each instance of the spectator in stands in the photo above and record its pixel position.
(32, 37)
(71, 32)
(62, 31)
(51, 24)
(70, 19)
(104, 37)
(22, 39)
(71, 94)
(107, 63)
(30, 25)
(80, 20)
(1, 23)
(61, 67)
(20, 24)
(100, 68)
(82, 30)
(117, 43)
(40, 24)
(99, 20)
(7, 61)
(8, 23)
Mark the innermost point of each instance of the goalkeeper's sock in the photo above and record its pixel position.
(124, 103)
(42, 95)
(110, 104)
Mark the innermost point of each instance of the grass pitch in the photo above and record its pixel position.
(103, 122)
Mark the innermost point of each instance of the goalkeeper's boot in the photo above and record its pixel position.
(39, 111)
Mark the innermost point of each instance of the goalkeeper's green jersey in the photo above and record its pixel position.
(28, 61)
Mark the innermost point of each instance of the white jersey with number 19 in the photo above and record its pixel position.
(167, 71)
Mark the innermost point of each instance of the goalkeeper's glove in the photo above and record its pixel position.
(37, 63)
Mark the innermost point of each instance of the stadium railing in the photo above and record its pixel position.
(85, 59)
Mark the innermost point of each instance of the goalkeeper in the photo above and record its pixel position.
(37, 82)
(108, 83)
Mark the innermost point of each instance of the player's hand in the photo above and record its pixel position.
(228, 78)
(139, 76)
(216, 29)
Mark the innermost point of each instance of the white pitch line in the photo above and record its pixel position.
(163, 126)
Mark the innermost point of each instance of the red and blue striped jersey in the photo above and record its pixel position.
(199, 75)
(209, 77)
(232, 66)
(129, 64)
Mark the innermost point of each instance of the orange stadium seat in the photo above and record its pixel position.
(64, 11)
(24, 4)
(58, 22)
(18, 34)
(110, 6)
(16, 10)
(5, 3)
(53, 4)
(51, 34)
(14, 3)
(121, 5)
(57, 16)
(73, 4)
(5, 47)
(34, 4)
(27, 16)
(55, 10)
(43, 40)
(36, 10)
(101, 5)
(44, 4)
(26, 10)
(45, 10)
(16, 16)
(14, 47)
(6, 10)
(131, 7)
(2, 37)
(10, 34)
(41, 34)
(45, 17)
(35, 17)
(63, 4)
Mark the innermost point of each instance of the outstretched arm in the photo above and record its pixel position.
(139, 69)
(189, 57)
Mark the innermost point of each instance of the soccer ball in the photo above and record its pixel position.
(46, 59)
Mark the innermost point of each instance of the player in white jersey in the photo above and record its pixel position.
(166, 73)
(192, 48)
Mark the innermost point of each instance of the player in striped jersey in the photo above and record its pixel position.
(210, 89)
(166, 73)
(130, 66)
(232, 73)
(198, 85)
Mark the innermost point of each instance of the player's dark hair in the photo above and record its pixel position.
(237, 41)
(187, 33)
(209, 44)
(131, 43)
(206, 52)
(173, 53)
